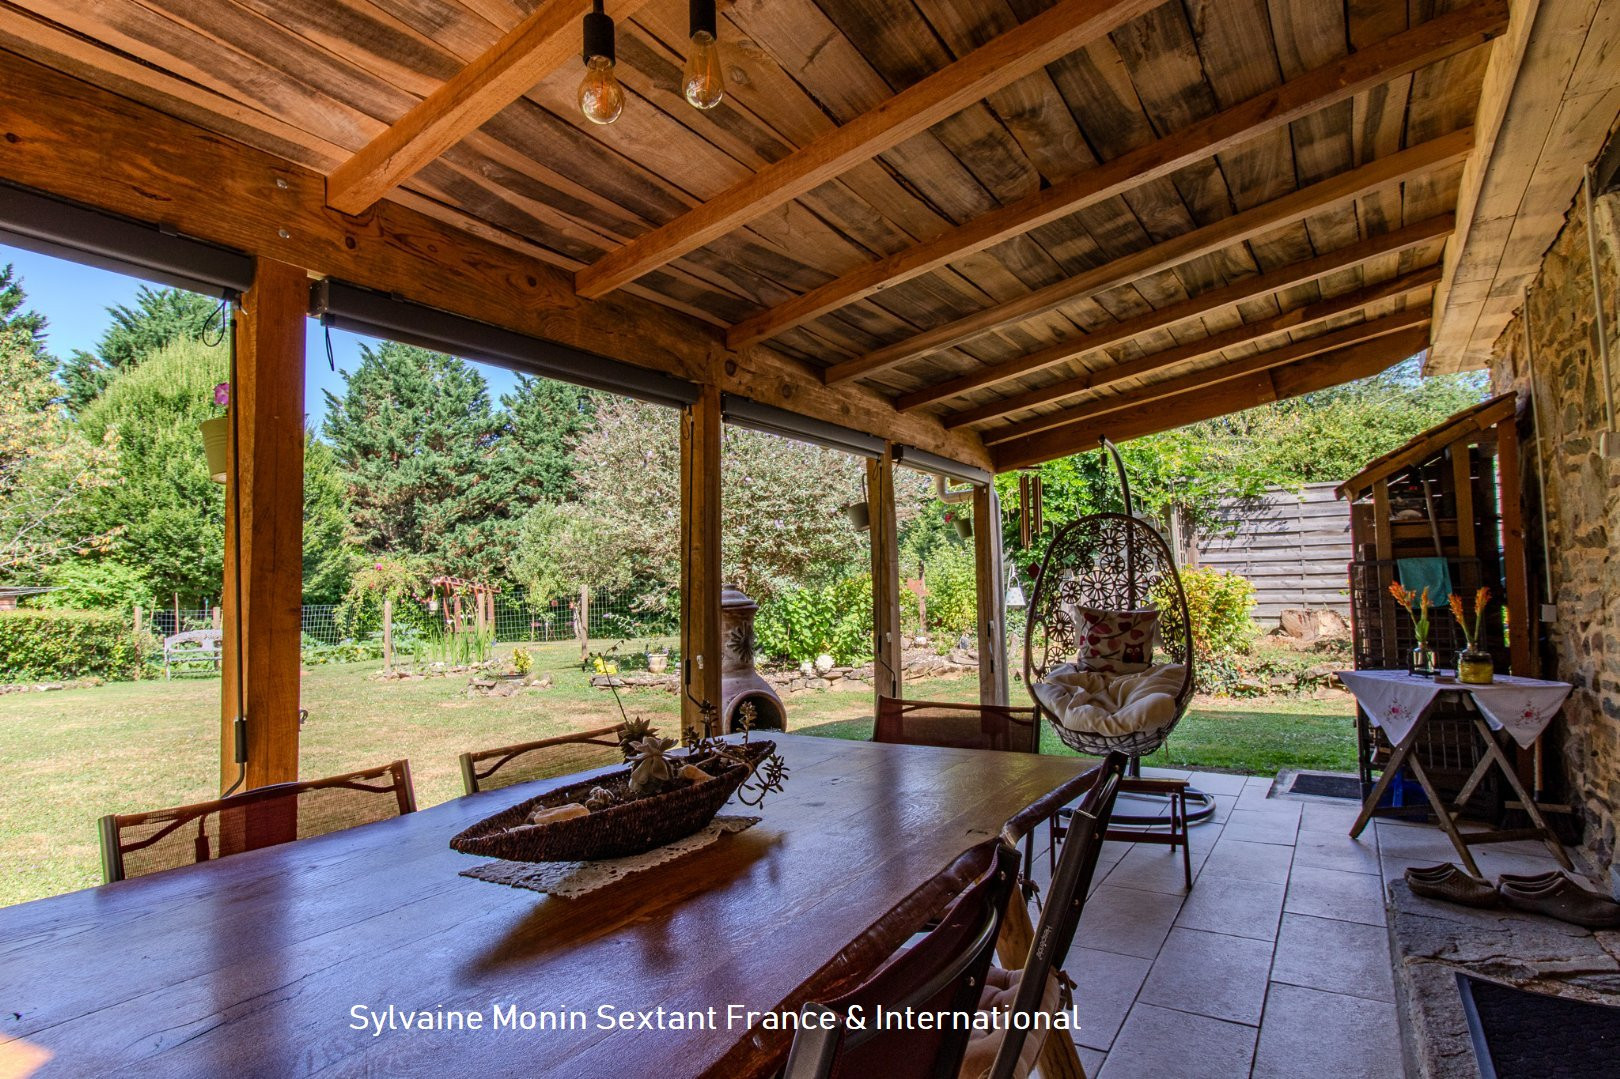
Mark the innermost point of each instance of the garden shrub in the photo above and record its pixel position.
(1218, 605)
(953, 593)
(806, 622)
(50, 645)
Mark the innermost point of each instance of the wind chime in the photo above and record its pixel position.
(1030, 524)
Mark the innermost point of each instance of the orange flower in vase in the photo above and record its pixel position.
(1474, 664)
(1417, 607)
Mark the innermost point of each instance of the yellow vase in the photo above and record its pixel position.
(1475, 667)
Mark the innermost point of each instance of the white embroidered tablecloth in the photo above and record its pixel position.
(1394, 700)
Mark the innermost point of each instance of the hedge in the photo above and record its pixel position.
(45, 646)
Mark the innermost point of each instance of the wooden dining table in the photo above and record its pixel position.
(265, 963)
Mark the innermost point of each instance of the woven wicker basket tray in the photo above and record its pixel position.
(618, 832)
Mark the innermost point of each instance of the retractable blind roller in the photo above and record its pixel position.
(64, 230)
(923, 461)
(375, 314)
(744, 412)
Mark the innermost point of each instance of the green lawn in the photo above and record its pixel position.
(71, 756)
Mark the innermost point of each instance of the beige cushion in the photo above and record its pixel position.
(1111, 704)
(1000, 989)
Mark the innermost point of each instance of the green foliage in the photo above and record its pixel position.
(522, 661)
(401, 578)
(159, 318)
(804, 623)
(56, 645)
(1218, 606)
(560, 548)
(467, 648)
(414, 438)
(13, 316)
(330, 559)
(543, 421)
(173, 513)
(99, 584)
(953, 592)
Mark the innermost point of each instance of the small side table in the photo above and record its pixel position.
(1400, 703)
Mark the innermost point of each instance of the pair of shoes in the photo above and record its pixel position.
(1557, 895)
(1448, 882)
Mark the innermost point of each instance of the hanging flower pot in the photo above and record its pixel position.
(216, 434)
(859, 514)
(964, 527)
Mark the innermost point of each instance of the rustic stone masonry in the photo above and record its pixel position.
(1583, 511)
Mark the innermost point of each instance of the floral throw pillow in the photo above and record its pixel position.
(1115, 642)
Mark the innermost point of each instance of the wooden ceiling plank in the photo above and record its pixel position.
(1302, 318)
(541, 43)
(1056, 31)
(1270, 111)
(1336, 191)
(1203, 403)
(1240, 291)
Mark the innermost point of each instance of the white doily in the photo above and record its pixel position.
(568, 879)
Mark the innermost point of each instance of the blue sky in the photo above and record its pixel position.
(74, 299)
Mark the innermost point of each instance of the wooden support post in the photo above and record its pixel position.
(992, 595)
(388, 633)
(700, 560)
(1384, 572)
(1521, 627)
(885, 536)
(264, 515)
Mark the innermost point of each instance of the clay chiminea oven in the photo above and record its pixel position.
(739, 681)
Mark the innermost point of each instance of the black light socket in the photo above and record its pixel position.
(599, 34)
(701, 17)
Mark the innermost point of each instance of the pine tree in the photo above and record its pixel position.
(415, 440)
(159, 317)
(12, 315)
(543, 422)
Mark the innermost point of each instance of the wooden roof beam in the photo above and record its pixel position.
(1285, 353)
(1300, 318)
(542, 42)
(1239, 291)
(1059, 30)
(1206, 401)
(1326, 195)
(1391, 58)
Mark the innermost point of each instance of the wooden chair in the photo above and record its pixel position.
(136, 844)
(944, 971)
(956, 726)
(488, 769)
(1065, 901)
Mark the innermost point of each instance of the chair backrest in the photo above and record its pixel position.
(135, 844)
(956, 726)
(488, 769)
(1105, 562)
(944, 971)
(1065, 901)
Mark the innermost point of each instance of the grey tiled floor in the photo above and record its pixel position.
(1276, 964)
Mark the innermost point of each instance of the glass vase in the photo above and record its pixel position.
(1422, 660)
(1475, 666)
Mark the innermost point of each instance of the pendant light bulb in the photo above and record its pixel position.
(702, 83)
(601, 98)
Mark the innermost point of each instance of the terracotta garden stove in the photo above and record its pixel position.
(739, 681)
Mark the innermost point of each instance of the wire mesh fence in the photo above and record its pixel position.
(167, 621)
(519, 618)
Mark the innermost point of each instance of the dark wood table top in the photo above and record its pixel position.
(253, 965)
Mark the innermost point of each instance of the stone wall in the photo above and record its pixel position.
(1582, 498)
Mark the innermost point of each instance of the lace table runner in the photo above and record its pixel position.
(1393, 700)
(568, 879)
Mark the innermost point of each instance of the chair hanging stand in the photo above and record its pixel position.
(1119, 562)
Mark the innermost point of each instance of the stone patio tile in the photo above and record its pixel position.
(1127, 921)
(1154, 868)
(1335, 893)
(1243, 908)
(1202, 837)
(1309, 1032)
(1253, 826)
(1091, 1060)
(1213, 974)
(1321, 817)
(1334, 956)
(1327, 850)
(1107, 985)
(1400, 841)
(1263, 783)
(1224, 804)
(1259, 800)
(1161, 1043)
(1219, 783)
(1165, 773)
(1249, 861)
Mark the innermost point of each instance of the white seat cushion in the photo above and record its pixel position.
(1111, 704)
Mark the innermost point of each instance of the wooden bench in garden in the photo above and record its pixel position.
(195, 647)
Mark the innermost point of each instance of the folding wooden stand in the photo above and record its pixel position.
(1447, 814)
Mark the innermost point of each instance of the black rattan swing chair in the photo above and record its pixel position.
(1117, 562)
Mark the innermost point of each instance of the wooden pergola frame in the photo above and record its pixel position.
(94, 116)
